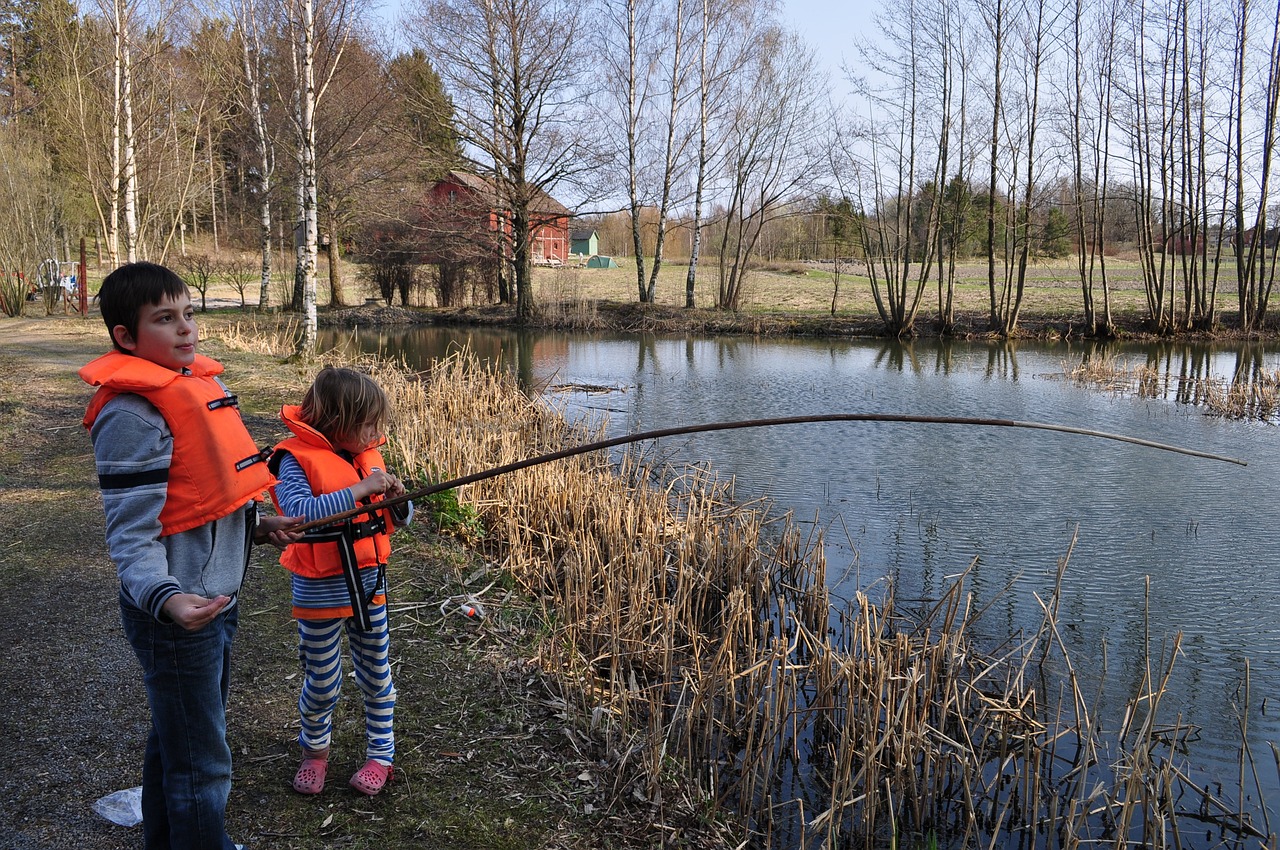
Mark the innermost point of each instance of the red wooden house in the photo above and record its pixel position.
(474, 205)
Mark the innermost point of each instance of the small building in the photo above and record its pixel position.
(598, 261)
(584, 242)
(473, 197)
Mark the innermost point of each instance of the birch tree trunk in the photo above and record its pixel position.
(251, 63)
(704, 94)
(128, 148)
(669, 148)
(310, 85)
(307, 175)
(996, 24)
(116, 166)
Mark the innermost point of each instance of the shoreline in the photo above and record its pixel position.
(634, 317)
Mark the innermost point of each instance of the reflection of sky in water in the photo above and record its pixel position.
(918, 503)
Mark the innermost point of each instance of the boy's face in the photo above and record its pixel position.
(166, 333)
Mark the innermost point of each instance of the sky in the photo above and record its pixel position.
(830, 27)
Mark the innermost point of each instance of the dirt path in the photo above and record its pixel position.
(72, 703)
(481, 754)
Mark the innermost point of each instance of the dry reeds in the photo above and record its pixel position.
(264, 334)
(695, 647)
(1255, 394)
(563, 302)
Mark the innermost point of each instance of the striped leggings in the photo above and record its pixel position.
(320, 650)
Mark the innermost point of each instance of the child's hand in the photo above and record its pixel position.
(377, 482)
(278, 530)
(396, 488)
(193, 611)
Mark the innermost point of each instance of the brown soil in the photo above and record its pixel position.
(483, 759)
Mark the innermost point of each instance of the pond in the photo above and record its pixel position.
(1165, 544)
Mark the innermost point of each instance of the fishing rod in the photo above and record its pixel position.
(640, 436)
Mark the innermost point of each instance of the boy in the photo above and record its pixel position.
(181, 478)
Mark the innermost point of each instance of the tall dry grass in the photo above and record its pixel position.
(696, 651)
(694, 636)
(1251, 394)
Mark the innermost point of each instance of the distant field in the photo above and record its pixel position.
(1052, 290)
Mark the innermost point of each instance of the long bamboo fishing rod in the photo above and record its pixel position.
(751, 423)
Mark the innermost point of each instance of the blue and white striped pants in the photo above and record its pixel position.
(320, 650)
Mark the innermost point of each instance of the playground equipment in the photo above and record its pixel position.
(58, 280)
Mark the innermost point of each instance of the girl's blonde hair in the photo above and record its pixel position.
(340, 400)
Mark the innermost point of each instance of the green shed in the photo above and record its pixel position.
(584, 242)
(599, 261)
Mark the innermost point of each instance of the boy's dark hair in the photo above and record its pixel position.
(131, 287)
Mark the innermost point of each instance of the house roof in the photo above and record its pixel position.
(582, 234)
(482, 186)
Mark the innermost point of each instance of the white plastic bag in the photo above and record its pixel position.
(122, 807)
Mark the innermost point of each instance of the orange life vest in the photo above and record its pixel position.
(216, 467)
(327, 472)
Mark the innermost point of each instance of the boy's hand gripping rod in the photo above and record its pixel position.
(750, 423)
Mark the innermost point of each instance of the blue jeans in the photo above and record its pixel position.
(186, 773)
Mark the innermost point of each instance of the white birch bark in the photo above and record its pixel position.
(311, 85)
(251, 64)
(704, 96)
(117, 121)
(307, 174)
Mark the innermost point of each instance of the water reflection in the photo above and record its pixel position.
(1164, 544)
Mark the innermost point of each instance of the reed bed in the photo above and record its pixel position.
(698, 656)
(259, 334)
(564, 302)
(1251, 394)
(693, 636)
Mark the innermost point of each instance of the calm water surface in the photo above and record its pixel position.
(1165, 543)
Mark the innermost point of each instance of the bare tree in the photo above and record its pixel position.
(995, 16)
(1254, 236)
(1089, 102)
(771, 152)
(31, 199)
(366, 154)
(726, 40)
(242, 272)
(514, 69)
(1036, 26)
(318, 36)
(900, 216)
(199, 270)
(651, 86)
(249, 17)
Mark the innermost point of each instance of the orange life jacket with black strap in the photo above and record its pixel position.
(216, 467)
(327, 472)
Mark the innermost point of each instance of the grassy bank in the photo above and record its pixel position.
(778, 299)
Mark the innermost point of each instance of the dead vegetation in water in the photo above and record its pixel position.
(690, 646)
(1254, 393)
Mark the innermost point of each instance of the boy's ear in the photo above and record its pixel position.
(123, 338)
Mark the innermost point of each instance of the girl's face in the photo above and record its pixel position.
(366, 435)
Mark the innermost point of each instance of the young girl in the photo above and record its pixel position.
(331, 465)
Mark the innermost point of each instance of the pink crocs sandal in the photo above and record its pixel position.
(310, 776)
(370, 778)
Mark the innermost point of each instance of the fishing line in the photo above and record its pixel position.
(753, 423)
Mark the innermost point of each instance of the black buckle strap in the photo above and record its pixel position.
(342, 536)
(261, 457)
(228, 400)
(372, 525)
